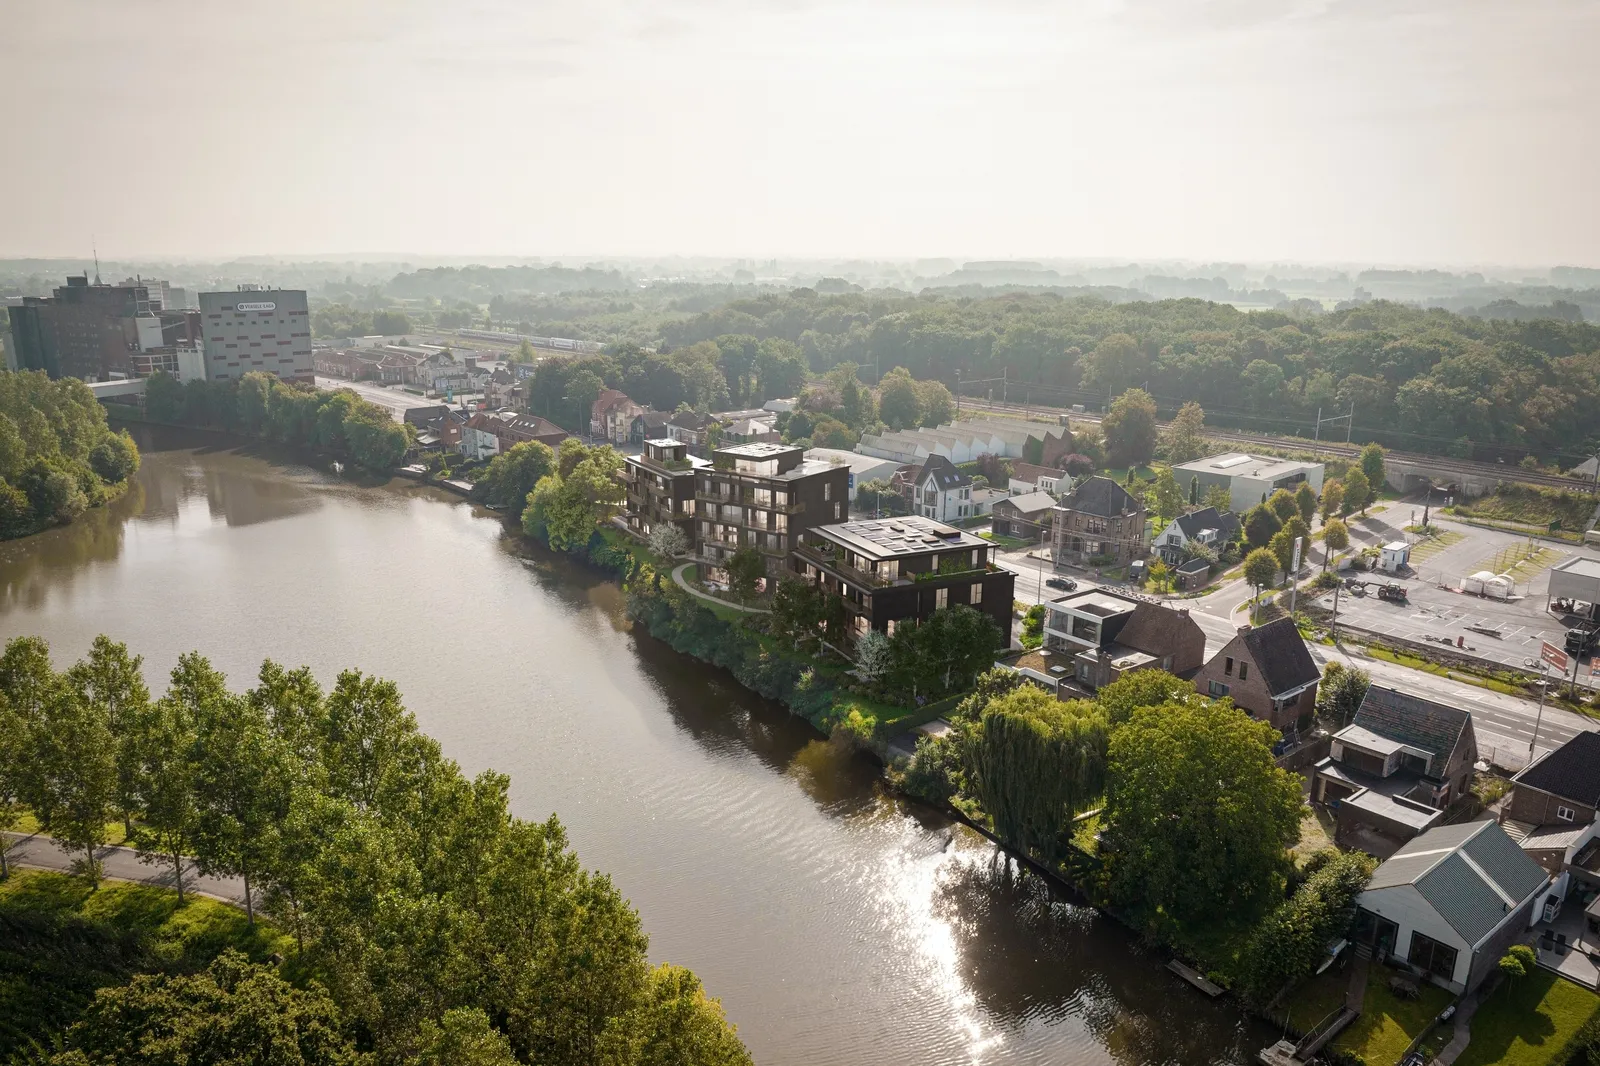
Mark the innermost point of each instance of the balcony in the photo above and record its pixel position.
(749, 500)
(833, 562)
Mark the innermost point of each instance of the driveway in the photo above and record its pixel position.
(122, 864)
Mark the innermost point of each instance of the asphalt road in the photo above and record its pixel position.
(398, 401)
(122, 864)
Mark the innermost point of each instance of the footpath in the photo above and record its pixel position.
(122, 864)
(678, 579)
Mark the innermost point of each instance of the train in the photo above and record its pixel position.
(557, 344)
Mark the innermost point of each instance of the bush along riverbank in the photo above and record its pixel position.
(1160, 807)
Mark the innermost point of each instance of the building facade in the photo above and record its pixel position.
(941, 492)
(83, 331)
(764, 496)
(660, 484)
(894, 570)
(1099, 523)
(1249, 479)
(1268, 673)
(267, 330)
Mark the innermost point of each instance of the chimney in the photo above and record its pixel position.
(1184, 611)
(1245, 628)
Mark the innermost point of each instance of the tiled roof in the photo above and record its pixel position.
(1281, 655)
(944, 473)
(1225, 522)
(1571, 772)
(1031, 472)
(1102, 497)
(1412, 720)
(1157, 630)
(1028, 503)
(1471, 874)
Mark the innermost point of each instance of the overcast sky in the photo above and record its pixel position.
(1366, 131)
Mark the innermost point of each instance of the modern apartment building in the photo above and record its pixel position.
(764, 496)
(1248, 478)
(660, 484)
(893, 570)
(257, 329)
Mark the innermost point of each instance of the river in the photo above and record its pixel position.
(838, 924)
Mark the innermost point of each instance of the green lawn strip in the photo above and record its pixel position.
(1008, 543)
(29, 825)
(1428, 547)
(1528, 1023)
(61, 939)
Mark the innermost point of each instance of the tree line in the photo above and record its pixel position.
(428, 919)
(57, 455)
(1421, 380)
(264, 406)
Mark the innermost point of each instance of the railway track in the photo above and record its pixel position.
(1335, 449)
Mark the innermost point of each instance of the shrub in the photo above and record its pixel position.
(1287, 945)
(934, 772)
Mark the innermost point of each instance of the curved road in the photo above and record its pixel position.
(121, 864)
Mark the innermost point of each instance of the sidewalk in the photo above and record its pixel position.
(677, 577)
(122, 864)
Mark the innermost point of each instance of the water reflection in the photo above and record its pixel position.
(839, 925)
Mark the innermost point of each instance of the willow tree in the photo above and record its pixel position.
(1033, 763)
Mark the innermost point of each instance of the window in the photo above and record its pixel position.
(1565, 813)
(827, 491)
(1227, 666)
(1429, 955)
(977, 593)
(941, 598)
(835, 512)
(1217, 688)
(1244, 670)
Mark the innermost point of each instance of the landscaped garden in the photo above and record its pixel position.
(1529, 1023)
(1388, 1023)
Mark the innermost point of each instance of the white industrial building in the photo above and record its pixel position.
(960, 442)
(256, 329)
(1249, 479)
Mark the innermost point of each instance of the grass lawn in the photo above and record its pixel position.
(28, 825)
(1316, 832)
(1528, 1023)
(1532, 505)
(1516, 560)
(725, 611)
(60, 940)
(1428, 547)
(1008, 543)
(1387, 1024)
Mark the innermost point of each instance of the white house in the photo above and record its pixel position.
(1450, 902)
(1249, 479)
(1027, 477)
(1207, 526)
(941, 492)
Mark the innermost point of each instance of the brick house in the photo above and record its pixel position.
(1267, 672)
(611, 417)
(1551, 811)
(1099, 520)
(1026, 516)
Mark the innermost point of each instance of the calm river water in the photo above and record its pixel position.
(838, 925)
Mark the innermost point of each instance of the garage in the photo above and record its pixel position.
(1575, 586)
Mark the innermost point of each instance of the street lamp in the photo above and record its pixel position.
(1543, 684)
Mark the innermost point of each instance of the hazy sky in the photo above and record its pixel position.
(1369, 131)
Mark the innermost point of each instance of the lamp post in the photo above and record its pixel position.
(1039, 586)
(1543, 684)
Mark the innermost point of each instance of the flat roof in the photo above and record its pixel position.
(758, 450)
(1234, 464)
(1418, 816)
(1367, 740)
(1096, 602)
(1580, 566)
(897, 538)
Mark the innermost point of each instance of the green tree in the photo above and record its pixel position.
(898, 403)
(1169, 498)
(233, 1014)
(583, 389)
(1116, 364)
(1219, 497)
(391, 323)
(1194, 490)
(1340, 694)
(1283, 505)
(1198, 819)
(1261, 568)
(1372, 466)
(513, 474)
(110, 680)
(943, 653)
(1185, 440)
(115, 459)
(1160, 574)
(938, 404)
(376, 441)
(1141, 688)
(872, 656)
(745, 568)
(567, 507)
(1033, 763)
(1305, 498)
(167, 762)
(1294, 937)
(1130, 429)
(1260, 525)
(675, 1024)
(1282, 548)
(1335, 538)
(798, 612)
(463, 1037)
(1357, 491)
(1332, 503)
(668, 541)
(243, 784)
(71, 782)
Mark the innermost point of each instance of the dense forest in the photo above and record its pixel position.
(57, 455)
(420, 921)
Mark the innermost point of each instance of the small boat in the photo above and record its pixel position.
(338, 468)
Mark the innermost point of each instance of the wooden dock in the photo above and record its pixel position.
(1194, 977)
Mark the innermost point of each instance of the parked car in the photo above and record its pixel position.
(1065, 584)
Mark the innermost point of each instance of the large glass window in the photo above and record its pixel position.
(1430, 956)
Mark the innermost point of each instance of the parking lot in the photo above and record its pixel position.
(1507, 631)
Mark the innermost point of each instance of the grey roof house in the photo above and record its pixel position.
(1207, 526)
(1450, 902)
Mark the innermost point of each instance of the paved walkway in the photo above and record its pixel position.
(122, 864)
(677, 577)
(1465, 1009)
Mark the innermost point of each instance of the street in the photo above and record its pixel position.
(1504, 724)
(123, 864)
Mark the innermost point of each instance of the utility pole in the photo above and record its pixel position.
(1543, 684)
(1333, 625)
(1294, 577)
(958, 394)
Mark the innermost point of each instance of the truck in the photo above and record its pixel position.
(1583, 637)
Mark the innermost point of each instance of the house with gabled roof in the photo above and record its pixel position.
(1390, 773)
(1268, 673)
(1552, 810)
(1449, 903)
(1027, 516)
(941, 492)
(1206, 526)
(1098, 523)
